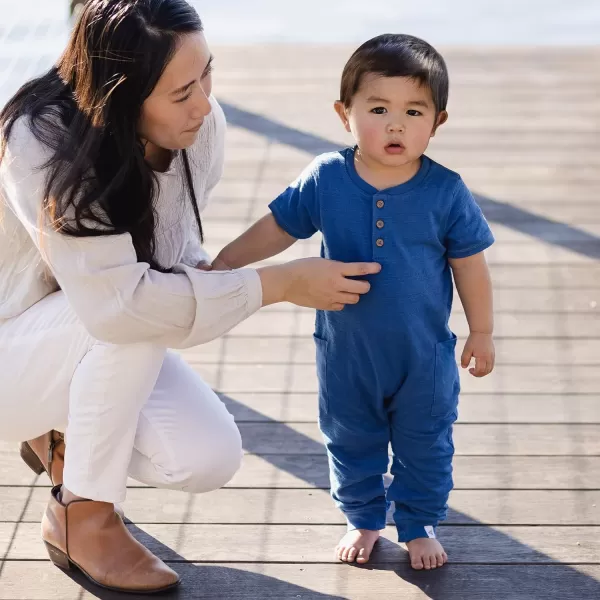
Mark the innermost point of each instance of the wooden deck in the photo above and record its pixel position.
(525, 515)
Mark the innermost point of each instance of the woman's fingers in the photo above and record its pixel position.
(345, 298)
(355, 287)
(316, 282)
(357, 269)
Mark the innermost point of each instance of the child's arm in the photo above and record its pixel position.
(264, 239)
(474, 287)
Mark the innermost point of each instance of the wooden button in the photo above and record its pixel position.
(380, 203)
(379, 242)
(379, 224)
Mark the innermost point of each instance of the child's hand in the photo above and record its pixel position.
(219, 265)
(479, 346)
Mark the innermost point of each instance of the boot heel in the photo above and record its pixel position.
(58, 557)
(31, 459)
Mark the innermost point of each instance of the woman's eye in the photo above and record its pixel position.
(186, 97)
(414, 113)
(379, 110)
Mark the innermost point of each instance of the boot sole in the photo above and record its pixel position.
(61, 560)
(30, 458)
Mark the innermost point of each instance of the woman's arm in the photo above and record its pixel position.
(120, 300)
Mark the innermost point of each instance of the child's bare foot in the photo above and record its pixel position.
(426, 553)
(357, 545)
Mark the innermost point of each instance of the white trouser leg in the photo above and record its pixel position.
(131, 409)
(186, 439)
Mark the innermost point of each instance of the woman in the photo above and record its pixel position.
(106, 163)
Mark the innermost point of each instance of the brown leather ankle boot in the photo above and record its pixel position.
(90, 536)
(46, 453)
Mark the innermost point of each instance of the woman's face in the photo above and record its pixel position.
(175, 110)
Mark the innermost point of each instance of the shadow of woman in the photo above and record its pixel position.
(206, 581)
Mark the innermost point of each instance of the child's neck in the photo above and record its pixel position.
(381, 176)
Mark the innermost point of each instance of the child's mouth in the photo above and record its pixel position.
(394, 148)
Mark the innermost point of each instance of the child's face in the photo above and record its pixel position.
(392, 119)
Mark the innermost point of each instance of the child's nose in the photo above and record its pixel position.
(395, 127)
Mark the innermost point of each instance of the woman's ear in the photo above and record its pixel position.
(340, 109)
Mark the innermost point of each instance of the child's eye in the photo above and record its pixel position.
(379, 110)
(414, 113)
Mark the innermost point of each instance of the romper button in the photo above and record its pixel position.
(380, 203)
(379, 242)
(379, 224)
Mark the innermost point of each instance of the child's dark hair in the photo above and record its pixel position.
(397, 55)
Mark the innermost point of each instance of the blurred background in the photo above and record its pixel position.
(524, 132)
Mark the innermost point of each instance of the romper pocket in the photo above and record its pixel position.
(321, 345)
(446, 381)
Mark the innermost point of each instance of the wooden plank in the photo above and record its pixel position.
(467, 150)
(279, 581)
(587, 212)
(533, 253)
(474, 408)
(273, 506)
(507, 325)
(509, 276)
(235, 350)
(478, 440)
(516, 379)
(311, 471)
(528, 228)
(15, 502)
(240, 183)
(556, 277)
(310, 543)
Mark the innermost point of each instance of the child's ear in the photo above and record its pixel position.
(340, 109)
(441, 119)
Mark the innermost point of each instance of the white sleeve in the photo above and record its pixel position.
(118, 299)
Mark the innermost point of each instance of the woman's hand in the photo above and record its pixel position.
(316, 283)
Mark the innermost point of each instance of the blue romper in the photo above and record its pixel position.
(386, 366)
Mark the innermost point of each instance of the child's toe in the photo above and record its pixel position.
(363, 556)
(417, 562)
(352, 554)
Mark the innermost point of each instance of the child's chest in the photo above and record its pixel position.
(405, 231)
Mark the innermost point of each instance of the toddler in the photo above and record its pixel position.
(386, 365)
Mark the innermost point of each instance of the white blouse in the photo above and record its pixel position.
(118, 299)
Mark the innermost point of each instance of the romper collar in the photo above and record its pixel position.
(396, 190)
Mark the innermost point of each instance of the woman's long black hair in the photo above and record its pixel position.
(86, 110)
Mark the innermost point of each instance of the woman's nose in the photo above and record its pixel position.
(202, 105)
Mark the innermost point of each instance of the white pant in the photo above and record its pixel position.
(136, 410)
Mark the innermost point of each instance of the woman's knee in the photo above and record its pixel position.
(142, 357)
(209, 462)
